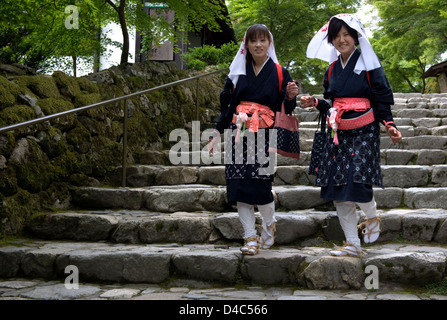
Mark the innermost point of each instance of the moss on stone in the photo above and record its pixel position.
(52, 142)
(79, 138)
(41, 85)
(82, 148)
(8, 92)
(34, 171)
(106, 154)
(8, 182)
(64, 166)
(16, 114)
(68, 86)
(86, 99)
(50, 106)
(87, 86)
(15, 210)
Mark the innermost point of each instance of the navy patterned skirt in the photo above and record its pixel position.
(244, 164)
(352, 168)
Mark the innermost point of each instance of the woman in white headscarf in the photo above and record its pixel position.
(357, 98)
(253, 93)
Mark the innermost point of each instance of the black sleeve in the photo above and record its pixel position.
(226, 115)
(383, 114)
(289, 105)
(381, 96)
(225, 95)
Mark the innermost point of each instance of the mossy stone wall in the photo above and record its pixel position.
(39, 165)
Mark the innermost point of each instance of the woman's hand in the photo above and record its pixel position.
(394, 134)
(307, 101)
(291, 90)
(213, 142)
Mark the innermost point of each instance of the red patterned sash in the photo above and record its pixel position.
(262, 116)
(342, 105)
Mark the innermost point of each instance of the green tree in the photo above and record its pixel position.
(199, 58)
(293, 23)
(35, 32)
(189, 15)
(40, 33)
(412, 35)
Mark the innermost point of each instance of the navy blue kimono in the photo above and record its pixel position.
(352, 168)
(244, 182)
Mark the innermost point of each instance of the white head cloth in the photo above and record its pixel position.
(320, 48)
(237, 67)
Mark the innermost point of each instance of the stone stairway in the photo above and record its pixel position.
(173, 221)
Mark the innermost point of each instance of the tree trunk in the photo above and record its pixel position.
(74, 65)
(123, 24)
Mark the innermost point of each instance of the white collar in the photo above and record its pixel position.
(343, 65)
(319, 47)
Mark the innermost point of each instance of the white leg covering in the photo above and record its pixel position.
(346, 212)
(371, 226)
(247, 217)
(369, 208)
(267, 212)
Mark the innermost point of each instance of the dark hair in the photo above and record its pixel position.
(334, 28)
(257, 30)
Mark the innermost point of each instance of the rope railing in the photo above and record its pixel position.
(28, 123)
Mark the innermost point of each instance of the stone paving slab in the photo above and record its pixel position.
(197, 197)
(190, 290)
(307, 267)
(128, 226)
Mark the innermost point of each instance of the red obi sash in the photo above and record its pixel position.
(261, 117)
(342, 105)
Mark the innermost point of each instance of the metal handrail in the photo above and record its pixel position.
(102, 103)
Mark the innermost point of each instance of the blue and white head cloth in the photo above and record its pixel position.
(237, 67)
(319, 47)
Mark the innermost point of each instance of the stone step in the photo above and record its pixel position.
(407, 143)
(404, 124)
(299, 227)
(436, 115)
(388, 157)
(191, 198)
(188, 153)
(308, 267)
(414, 100)
(407, 131)
(417, 142)
(403, 176)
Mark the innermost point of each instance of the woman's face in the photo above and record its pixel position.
(344, 43)
(258, 47)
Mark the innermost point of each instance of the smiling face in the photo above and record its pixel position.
(344, 43)
(342, 37)
(258, 47)
(257, 41)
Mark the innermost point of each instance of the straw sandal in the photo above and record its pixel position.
(348, 250)
(268, 237)
(251, 246)
(371, 229)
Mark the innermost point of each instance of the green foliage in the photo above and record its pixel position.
(200, 57)
(35, 33)
(412, 36)
(190, 16)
